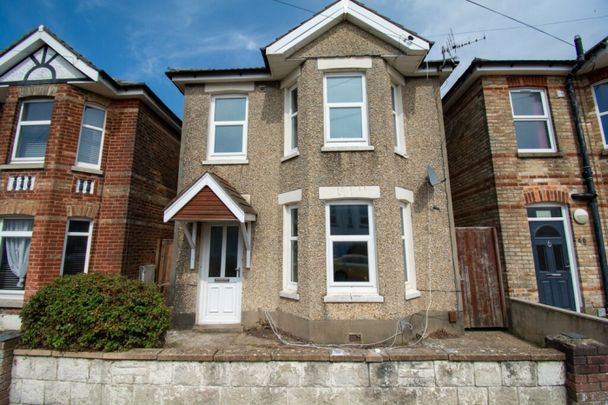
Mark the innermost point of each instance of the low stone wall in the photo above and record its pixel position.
(50, 377)
(532, 321)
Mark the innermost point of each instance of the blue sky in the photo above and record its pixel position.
(139, 40)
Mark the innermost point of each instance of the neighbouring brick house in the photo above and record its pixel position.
(303, 186)
(87, 164)
(515, 164)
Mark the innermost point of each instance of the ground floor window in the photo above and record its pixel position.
(350, 246)
(15, 239)
(290, 256)
(77, 247)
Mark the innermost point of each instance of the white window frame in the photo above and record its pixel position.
(103, 133)
(20, 124)
(349, 288)
(89, 236)
(289, 286)
(397, 112)
(407, 243)
(290, 150)
(346, 142)
(545, 117)
(18, 294)
(227, 156)
(599, 113)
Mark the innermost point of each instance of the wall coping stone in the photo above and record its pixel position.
(304, 354)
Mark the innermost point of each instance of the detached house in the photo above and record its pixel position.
(519, 164)
(303, 186)
(87, 163)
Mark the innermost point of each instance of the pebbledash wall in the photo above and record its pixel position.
(137, 177)
(266, 176)
(95, 378)
(493, 184)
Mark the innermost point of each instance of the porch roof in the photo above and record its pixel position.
(209, 198)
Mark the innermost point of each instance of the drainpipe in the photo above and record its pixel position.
(590, 195)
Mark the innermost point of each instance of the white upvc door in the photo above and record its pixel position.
(220, 276)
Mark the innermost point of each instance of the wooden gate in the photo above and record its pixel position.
(481, 278)
(164, 265)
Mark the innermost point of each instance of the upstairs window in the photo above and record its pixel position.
(532, 121)
(291, 124)
(600, 94)
(228, 138)
(33, 131)
(345, 109)
(91, 137)
(77, 247)
(397, 112)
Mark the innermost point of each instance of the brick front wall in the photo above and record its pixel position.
(140, 160)
(492, 185)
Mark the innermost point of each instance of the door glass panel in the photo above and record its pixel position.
(547, 231)
(542, 257)
(232, 249)
(215, 252)
(558, 251)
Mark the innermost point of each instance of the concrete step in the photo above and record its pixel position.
(235, 328)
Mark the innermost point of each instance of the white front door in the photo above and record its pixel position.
(220, 284)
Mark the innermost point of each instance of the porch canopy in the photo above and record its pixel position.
(210, 198)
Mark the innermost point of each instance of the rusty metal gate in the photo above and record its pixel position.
(481, 278)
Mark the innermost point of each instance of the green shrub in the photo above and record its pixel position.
(94, 312)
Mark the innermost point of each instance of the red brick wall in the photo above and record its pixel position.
(153, 185)
(518, 180)
(137, 149)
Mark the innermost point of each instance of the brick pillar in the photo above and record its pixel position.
(586, 368)
(8, 342)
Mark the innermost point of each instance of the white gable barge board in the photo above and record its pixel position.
(207, 180)
(37, 39)
(358, 15)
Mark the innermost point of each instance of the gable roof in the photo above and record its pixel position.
(229, 196)
(276, 55)
(24, 54)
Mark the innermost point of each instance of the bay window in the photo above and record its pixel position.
(345, 104)
(15, 239)
(91, 137)
(32, 131)
(350, 248)
(77, 247)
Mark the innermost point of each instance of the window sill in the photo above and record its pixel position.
(401, 153)
(89, 170)
(11, 301)
(347, 148)
(527, 155)
(225, 162)
(412, 294)
(290, 156)
(353, 298)
(22, 166)
(290, 295)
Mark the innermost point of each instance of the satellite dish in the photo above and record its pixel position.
(431, 177)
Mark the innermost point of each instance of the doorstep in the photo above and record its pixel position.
(219, 328)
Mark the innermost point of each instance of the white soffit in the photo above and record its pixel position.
(279, 51)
